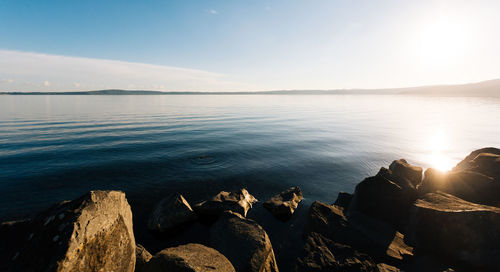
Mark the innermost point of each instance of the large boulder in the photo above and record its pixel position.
(142, 256)
(384, 197)
(188, 258)
(171, 213)
(469, 163)
(244, 242)
(284, 204)
(321, 254)
(363, 233)
(238, 201)
(449, 226)
(471, 186)
(91, 233)
(402, 170)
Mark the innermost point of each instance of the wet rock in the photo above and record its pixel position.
(401, 169)
(244, 242)
(171, 213)
(284, 204)
(91, 233)
(322, 254)
(343, 200)
(451, 227)
(142, 256)
(188, 258)
(471, 186)
(382, 198)
(238, 201)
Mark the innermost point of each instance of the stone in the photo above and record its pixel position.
(238, 201)
(321, 254)
(188, 258)
(470, 186)
(401, 169)
(142, 256)
(382, 198)
(448, 226)
(469, 164)
(362, 232)
(284, 204)
(343, 200)
(91, 233)
(244, 242)
(171, 213)
(382, 267)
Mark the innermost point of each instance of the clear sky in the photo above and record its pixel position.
(245, 45)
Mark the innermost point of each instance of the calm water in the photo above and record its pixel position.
(57, 147)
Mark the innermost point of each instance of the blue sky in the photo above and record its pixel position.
(245, 45)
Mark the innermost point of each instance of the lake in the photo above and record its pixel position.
(58, 147)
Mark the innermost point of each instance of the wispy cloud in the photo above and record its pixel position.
(23, 71)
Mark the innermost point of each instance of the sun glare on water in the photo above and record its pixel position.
(437, 144)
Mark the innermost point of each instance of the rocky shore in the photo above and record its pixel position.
(401, 219)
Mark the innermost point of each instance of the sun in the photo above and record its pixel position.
(437, 144)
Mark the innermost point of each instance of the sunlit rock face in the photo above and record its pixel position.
(92, 233)
(239, 201)
(284, 204)
(475, 179)
(451, 227)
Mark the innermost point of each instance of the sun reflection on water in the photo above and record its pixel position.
(437, 144)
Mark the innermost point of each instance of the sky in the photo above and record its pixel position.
(245, 45)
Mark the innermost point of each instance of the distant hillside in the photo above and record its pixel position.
(490, 88)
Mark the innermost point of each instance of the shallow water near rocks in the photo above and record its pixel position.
(54, 148)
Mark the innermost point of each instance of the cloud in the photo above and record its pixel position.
(65, 73)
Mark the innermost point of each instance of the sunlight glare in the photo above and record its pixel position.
(437, 144)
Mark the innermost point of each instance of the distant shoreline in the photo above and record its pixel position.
(490, 88)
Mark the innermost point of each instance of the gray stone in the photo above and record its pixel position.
(284, 204)
(171, 213)
(96, 235)
(188, 258)
(238, 201)
(244, 242)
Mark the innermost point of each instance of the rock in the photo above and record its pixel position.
(470, 186)
(244, 242)
(238, 201)
(142, 256)
(91, 233)
(343, 200)
(401, 169)
(13, 234)
(171, 213)
(188, 258)
(382, 267)
(451, 227)
(468, 164)
(284, 204)
(324, 255)
(363, 233)
(382, 198)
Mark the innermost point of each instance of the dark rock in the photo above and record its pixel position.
(451, 227)
(284, 204)
(382, 198)
(402, 170)
(359, 231)
(343, 200)
(244, 242)
(188, 258)
(12, 237)
(142, 256)
(238, 201)
(92, 233)
(471, 186)
(322, 254)
(469, 164)
(171, 213)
